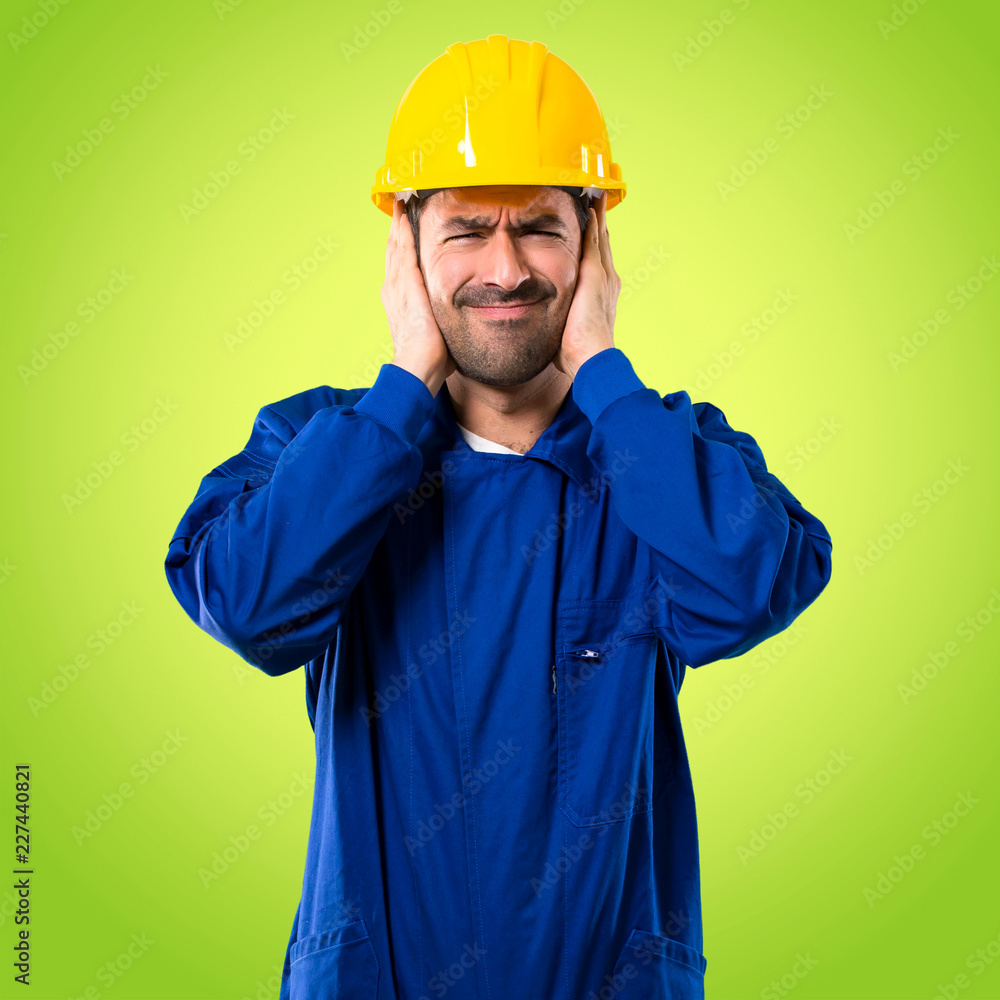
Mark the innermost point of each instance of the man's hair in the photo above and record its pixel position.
(415, 207)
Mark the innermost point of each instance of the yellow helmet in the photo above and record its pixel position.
(497, 111)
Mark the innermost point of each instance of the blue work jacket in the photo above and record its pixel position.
(493, 648)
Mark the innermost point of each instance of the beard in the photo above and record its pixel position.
(502, 352)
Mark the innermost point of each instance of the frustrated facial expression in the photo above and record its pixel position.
(500, 265)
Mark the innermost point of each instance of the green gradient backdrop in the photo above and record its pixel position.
(857, 435)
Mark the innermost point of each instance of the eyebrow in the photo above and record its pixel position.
(462, 223)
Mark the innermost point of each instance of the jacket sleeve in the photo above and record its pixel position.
(738, 555)
(277, 537)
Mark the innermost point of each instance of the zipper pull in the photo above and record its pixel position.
(553, 678)
(589, 654)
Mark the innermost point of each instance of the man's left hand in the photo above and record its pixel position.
(591, 320)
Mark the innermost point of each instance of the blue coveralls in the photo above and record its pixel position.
(493, 647)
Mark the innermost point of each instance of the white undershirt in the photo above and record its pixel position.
(479, 443)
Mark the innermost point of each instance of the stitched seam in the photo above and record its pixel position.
(409, 701)
(456, 647)
(260, 463)
(565, 894)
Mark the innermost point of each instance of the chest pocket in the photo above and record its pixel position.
(606, 657)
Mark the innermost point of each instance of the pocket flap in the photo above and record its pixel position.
(335, 963)
(601, 625)
(642, 943)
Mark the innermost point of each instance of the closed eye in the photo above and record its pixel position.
(538, 232)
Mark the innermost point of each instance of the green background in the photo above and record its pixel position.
(857, 435)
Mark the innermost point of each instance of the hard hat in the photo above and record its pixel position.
(497, 111)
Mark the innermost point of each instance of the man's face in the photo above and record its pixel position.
(484, 247)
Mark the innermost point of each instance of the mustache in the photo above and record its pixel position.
(486, 298)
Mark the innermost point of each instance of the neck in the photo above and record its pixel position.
(515, 415)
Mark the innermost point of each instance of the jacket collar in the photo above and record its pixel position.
(562, 444)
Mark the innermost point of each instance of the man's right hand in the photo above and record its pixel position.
(416, 338)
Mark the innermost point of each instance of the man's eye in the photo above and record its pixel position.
(528, 232)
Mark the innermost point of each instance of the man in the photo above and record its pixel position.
(496, 563)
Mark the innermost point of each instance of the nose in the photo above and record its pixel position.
(502, 262)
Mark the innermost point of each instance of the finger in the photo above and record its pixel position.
(401, 223)
(406, 240)
(405, 250)
(392, 240)
(593, 242)
(605, 239)
(591, 238)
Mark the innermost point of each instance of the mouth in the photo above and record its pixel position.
(505, 312)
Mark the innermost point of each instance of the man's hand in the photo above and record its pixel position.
(416, 337)
(591, 320)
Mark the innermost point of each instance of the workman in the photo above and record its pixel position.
(496, 564)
